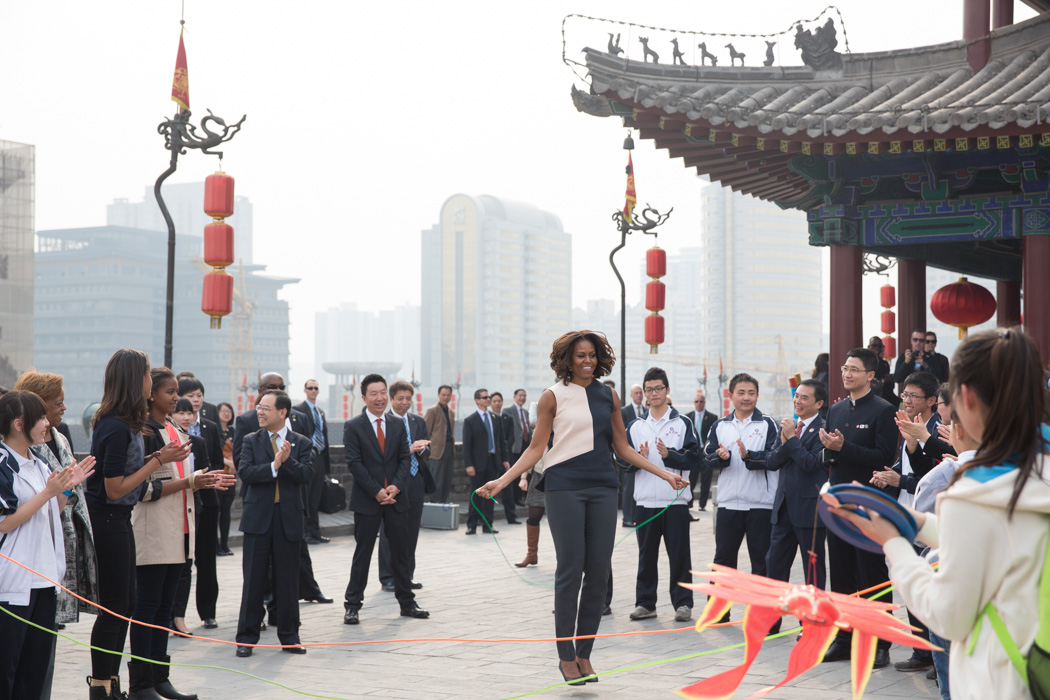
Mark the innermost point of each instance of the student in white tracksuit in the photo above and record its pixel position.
(992, 522)
(667, 440)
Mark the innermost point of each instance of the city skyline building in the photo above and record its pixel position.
(496, 290)
(17, 226)
(102, 288)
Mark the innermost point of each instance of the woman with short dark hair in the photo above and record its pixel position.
(580, 486)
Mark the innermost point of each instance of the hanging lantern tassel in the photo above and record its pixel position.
(217, 299)
(655, 294)
(962, 304)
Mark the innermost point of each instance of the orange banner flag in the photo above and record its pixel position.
(631, 197)
(180, 84)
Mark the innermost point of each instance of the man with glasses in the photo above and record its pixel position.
(317, 431)
(860, 438)
(936, 362)
(667, 440)
(702, 420)
(484, 455)
(913, 359)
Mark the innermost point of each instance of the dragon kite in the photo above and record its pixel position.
(822, 614)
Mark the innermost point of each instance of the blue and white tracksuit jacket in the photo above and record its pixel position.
(744, 484)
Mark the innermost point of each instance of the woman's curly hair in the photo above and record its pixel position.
(561, 354)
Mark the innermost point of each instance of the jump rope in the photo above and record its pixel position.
(886, 585)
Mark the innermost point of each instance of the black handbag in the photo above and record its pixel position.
(333, 497)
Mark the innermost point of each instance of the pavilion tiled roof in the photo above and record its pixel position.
(915, 99)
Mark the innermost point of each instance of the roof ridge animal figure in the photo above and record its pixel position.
(679, 57)
(614, 47)
(648, 52)
(734, 54)
(705, 54)
(769, 53)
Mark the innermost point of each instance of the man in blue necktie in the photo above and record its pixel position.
(317, 431)
(420, 481)
(483, 455)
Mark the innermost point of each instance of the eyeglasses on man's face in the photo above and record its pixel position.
(279, 387)
(931, 342)
(846, 369)
(654, 389)
(313, 388)
(908, 396)
(918, 339)
(484, 398)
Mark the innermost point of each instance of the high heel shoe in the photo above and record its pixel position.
(591, 677)
(571, 681)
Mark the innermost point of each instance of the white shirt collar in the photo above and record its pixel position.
(662, 419)
(22, 461)
(283, 432)
(483, 411)
(807, 421)
(745, 421)
(372, 417)
(965, 456)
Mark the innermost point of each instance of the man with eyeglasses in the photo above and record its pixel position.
(860, 437)
(936, 362)
(919, 399)
(667, 440)
(484, 455)
(317, 428)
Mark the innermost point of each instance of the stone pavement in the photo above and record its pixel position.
(471, 592)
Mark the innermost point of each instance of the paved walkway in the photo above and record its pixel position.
(471, 592)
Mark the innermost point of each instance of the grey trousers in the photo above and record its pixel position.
(583, 525)
(441, 470)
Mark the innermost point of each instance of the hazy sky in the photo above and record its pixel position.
(363, 117)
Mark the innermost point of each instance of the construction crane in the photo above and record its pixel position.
(779, 373)
(242, 321)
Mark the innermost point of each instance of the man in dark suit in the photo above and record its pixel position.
(635, 409)
(247, 423)
(378, 455)
(318, 432)
(483, 455)
(702, 420)
(441, 422)
(206, 410)
(275, 462)
(518, 430)
(795, 525)
(419, 482)
(507, 496)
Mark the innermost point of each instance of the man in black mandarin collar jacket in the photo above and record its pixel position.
(380, 495)
(272, 520)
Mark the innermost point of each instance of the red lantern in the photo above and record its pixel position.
(962, 304)
(218, 195)
(218, 244)
(889, 344)
(887, 298)
(654, 295)
(654, 331)
(217, 300)
(889, 322)
(656, 262)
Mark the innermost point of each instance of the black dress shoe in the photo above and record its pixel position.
(350, 617)
(931, 675)
(839, 651)
(488, 530)
(914, 664)
(416, 586)
(319, 598)
(210, 623)
(295, 650)
(244, 652)
(223, 552)
(415, 611)
(607, 610)
(471, 531)
(628, 523)
(262, 626)
(515, 521)
(389, 587)
(882, 658)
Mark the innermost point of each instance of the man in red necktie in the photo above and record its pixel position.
(378, 456)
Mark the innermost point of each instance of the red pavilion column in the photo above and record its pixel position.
(847, 329)
(1037, 291)
(911, 300)
(1002, 13)
(976, 18)
(1008, 304)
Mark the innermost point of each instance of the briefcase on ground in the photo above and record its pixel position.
(333, 497)
(440, 516)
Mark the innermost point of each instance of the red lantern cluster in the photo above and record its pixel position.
(655, 293)
(217, 299)
(962, 304)
(887, 300)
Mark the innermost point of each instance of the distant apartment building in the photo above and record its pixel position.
(347, 335)
(496, 292)
(100, 289)
(185, 202)
(17, 196)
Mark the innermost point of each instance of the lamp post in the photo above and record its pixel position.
(179, 134)
(648, 220)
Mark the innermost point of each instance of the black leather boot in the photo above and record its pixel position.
(140, 681)
(161, 683)
(97, 692)
(114, 693)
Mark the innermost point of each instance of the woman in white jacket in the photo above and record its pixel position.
(992, 522)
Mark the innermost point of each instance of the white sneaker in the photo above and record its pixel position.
(641, 613)
(683, 614)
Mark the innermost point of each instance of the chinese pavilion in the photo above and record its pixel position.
(937, 155)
